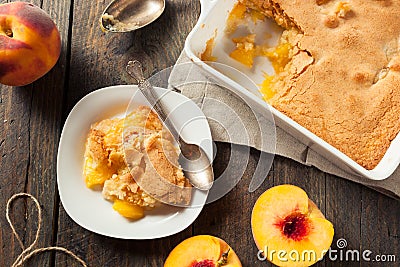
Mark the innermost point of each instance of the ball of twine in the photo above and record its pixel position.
(29, 252)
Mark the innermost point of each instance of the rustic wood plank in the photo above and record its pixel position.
(380, 228)
(31, 123)
(343, 209)
(45, 127)
(15, 116)
(14, 150)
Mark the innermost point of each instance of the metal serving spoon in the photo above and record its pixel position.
(194, 161)
(129, 15)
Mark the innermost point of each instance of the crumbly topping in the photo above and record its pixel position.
(246, 42)
(347, 94)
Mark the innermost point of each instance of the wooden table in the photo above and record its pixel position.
(32, 118)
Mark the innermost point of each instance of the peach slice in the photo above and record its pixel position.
(128, 210)
(289, 228)
(245, 50)
(202, 251)
(96, 175)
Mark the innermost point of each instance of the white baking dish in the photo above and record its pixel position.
(212, 22)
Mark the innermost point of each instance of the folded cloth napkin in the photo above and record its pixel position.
(232, 120)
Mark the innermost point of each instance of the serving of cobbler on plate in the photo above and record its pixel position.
(135, 163)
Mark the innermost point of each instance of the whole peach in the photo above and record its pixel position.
(30, 43)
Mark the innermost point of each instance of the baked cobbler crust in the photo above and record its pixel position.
(342, 80)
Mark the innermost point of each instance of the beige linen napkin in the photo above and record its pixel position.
(232, 120)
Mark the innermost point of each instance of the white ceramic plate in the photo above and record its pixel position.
(86, 206)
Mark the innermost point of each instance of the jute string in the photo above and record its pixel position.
(29, 252)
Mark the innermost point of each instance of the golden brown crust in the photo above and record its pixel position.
(96, 145)
(349, 94)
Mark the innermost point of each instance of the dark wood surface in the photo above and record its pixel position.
(32, 118)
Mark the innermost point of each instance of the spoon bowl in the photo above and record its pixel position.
(130, 15)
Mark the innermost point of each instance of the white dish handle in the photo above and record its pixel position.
(205, 7)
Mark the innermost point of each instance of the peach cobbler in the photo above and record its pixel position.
(135, 163)
(337, 69)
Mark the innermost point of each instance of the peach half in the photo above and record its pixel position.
(30, 43)
(288, 228)
(202, 251)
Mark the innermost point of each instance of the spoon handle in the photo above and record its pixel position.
(134, 68)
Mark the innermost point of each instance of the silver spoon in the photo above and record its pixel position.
(194, 161)
(130, 15)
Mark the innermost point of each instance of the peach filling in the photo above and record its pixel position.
(235, 18)
(279, 57)
(128, 210)
(245, 50)
(207, 54)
